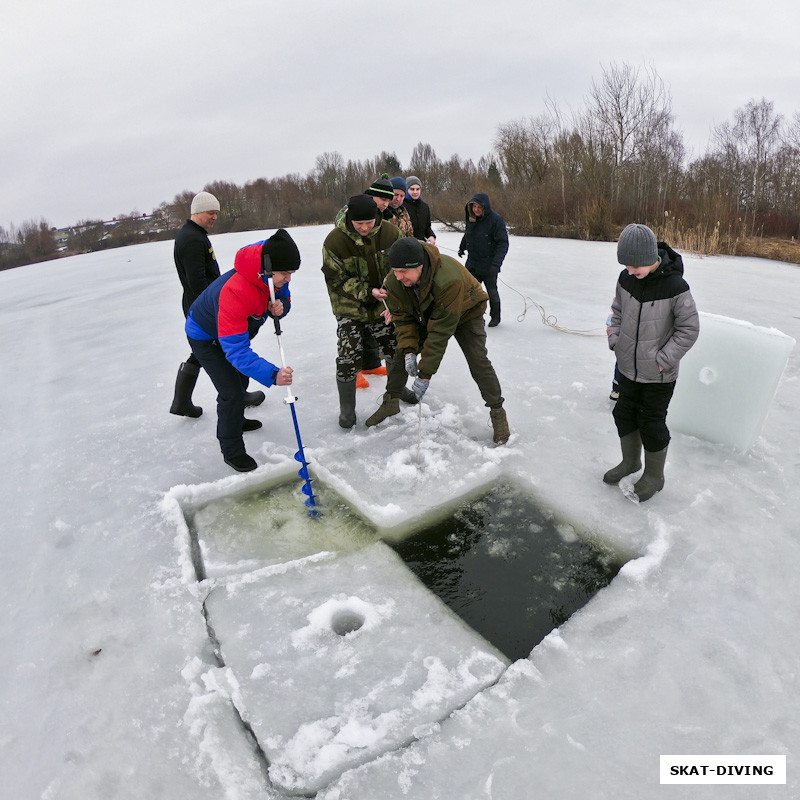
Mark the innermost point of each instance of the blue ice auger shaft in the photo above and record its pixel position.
(290, 400)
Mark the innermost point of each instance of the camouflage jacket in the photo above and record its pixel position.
(354, 265)
(448, 296)
(400, 218)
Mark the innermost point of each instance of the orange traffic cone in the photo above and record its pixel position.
(361, 381)
(377, 371)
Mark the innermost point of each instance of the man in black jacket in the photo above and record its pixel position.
(197, 268)
(486, 240)
(419, 211)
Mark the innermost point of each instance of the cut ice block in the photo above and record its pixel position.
(728, 380)
(341, 659)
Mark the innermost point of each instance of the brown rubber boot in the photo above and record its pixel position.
(388, 408)
(631, 445)
(500, 429)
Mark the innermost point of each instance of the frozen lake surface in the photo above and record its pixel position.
(113, 688)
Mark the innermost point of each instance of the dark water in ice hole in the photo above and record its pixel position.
(508, 568)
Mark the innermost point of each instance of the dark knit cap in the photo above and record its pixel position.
(399, 183)
(361, 207)
(413, 180)
(279, 253)
(637, 247)
(381, 187)
(406, 253)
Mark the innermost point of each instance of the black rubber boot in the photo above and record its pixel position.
(184, 386)
(652, 479)
(388, 408)
(347, 403)
(252, 399)
(631, 445)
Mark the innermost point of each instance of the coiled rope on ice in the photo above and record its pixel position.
(547, 319)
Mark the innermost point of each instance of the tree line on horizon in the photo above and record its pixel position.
(580, 174)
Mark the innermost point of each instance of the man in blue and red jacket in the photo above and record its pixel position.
(223, 320)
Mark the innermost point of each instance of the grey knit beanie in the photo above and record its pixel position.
(204, 201)
(413, 180)
(637, 246)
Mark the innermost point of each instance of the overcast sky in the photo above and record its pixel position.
(112, 108)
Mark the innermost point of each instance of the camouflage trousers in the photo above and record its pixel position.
(350, 340)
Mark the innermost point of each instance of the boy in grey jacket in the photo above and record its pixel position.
(654, 323)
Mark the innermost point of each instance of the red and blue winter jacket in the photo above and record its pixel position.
(233, 309)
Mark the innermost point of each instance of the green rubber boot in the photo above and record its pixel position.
(631, 458)
(347, 403)
(652, 479)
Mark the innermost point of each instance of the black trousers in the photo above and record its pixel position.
(643, 407)
(230, 385)
(490, 283)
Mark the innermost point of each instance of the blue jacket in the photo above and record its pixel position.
(233, 309)
(485, 238)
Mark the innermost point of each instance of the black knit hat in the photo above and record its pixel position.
(381, 187)
(279, 253)
(406, 253)
(361, 208)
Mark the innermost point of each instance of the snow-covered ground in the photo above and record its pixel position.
(110, 687)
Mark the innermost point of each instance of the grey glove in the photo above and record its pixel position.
(411, 365)
(419, 387)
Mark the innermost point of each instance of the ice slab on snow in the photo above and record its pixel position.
(727, 381)
(344, 658)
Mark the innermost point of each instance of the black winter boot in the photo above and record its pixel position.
(242, 463)
(388, 408)
(407, 396)
(631, 445)
(347, 403)
(252, 399)
(184, 386)
(652, 479)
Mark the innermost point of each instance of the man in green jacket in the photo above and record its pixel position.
(432, 298)
(355, 264)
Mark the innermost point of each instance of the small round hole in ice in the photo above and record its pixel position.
(346, 621)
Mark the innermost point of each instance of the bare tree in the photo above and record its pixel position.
(525, 149)
(329, 174)
(427, 166)
(631, 113)
(757, 129)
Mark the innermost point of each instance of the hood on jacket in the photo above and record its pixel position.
(671, 262)
(344, 223)
(278, 253)
(247, 262)
(482, 200)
